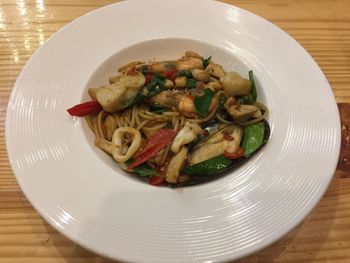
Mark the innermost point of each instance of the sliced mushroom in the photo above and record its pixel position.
(228, 139)
(215, 70)
(175, 165)
(235, 85)
(187, 134)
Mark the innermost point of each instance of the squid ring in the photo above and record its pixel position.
(117, 142)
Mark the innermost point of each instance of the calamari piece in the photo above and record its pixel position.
(200, 75)
(92, 92)
(215, 70)
(189, 63)
(110, 125)
(190, 53)
(242, 112)
(186, 135)
(120, 152)
(226, 140)
(235, 85)
(113, 96)
(215, 85)
(175, 165)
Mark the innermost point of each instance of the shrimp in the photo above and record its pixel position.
(187, 62)
(181, 101)
(166, 98)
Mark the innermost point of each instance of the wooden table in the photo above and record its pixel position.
(321, 27)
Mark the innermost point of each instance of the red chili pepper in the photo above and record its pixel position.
(169, 73)
(163, 136)
(148, 78)
(156, 180)
(86, 108)
(238, 154)
(173, 77)
(155, 144)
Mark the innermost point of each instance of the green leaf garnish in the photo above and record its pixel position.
(251, 98)
(206, 62)
(132, 101)
(156, 86)
(156, 108)
(185, 73)
(143, 169)
(202, 103)
(191, 83)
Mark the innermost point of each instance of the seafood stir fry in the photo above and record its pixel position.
(178, 122)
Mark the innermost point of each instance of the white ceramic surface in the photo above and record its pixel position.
(84, 194)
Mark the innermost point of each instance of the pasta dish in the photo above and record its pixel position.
(178, 122)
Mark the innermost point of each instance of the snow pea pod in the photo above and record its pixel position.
(208, 167)
(253, 138)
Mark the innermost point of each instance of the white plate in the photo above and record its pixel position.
(83, 194)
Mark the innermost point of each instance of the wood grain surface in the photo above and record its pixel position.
(321, 27)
